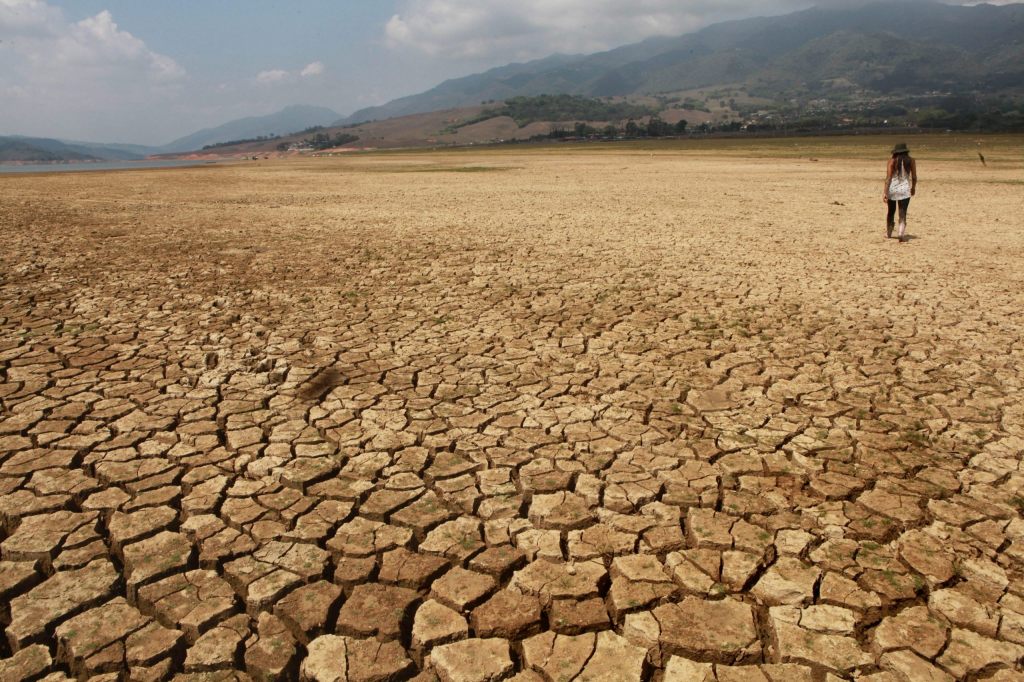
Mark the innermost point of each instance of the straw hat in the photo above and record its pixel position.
(901, 148)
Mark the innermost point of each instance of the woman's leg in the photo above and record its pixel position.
(904, 205)
(890, 219)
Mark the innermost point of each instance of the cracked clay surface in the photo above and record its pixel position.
(606, 414)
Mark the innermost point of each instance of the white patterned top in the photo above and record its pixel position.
(899, 187)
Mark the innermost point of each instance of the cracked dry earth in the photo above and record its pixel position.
(591, 415)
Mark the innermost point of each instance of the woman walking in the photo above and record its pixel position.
(900, 185)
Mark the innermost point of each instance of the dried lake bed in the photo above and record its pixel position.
(661, 412)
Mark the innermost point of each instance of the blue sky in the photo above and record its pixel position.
(149, 71)
(232, 59)
(230, 40)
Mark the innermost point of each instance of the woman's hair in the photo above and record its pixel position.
(902, 165)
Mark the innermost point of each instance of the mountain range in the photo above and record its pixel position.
(289, 120)
(909, 45)
(45, 150)
(897, 51)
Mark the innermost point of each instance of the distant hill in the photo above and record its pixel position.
(869, 65)
(519, 119)
(113, 151)
(20, 149)
(39, 150)
(913, 46)
(908, 64)
(289, 120)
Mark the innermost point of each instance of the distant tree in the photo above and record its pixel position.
(525, 110)
(231, 143)
(584, 130)
(325, 141)
(658, 128)
(680, 127)
(947, 120)
(632, 129)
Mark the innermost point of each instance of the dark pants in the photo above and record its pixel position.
(903, 204)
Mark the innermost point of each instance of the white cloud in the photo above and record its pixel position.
(312, 69)
(271, 76)
(27, 18)
(98, 43)
(55, 66)
(530, 28)
(40, 41)
(524, 29)
(276, 76)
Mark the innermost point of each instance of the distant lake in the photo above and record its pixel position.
(98, 166)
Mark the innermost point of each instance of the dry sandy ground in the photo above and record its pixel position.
(602, 413)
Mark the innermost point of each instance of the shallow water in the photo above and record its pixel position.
(98, 166)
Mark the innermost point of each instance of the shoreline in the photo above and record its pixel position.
(102, 166)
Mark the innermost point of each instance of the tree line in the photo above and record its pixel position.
(654, 127)
(321, 140)
(231, 143)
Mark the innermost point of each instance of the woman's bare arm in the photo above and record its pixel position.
(913, 177)
(888, 178)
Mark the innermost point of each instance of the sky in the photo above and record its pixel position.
(150, 71)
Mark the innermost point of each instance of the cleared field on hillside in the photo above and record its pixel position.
(635, 411)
